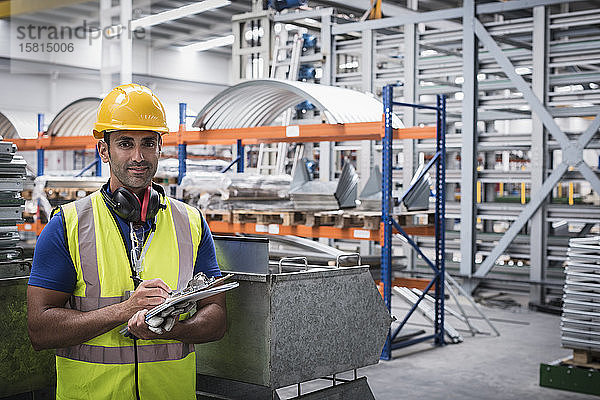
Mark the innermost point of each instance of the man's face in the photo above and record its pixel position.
(133, 158)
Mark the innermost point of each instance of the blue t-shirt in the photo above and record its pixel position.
(53, 268)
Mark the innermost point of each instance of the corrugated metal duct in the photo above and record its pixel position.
(260, 102)
(18, 124)
(76, 119)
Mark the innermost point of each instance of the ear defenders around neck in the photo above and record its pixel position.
(128, 206)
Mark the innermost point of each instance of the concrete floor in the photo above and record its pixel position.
(482, 367)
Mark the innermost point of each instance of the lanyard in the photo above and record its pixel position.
(137, 252)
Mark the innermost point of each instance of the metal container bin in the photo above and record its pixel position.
(287, 328)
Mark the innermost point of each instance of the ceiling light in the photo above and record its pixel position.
(209, 44)
(181, 12)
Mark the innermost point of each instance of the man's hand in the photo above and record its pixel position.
(137, 326)
(148, 295)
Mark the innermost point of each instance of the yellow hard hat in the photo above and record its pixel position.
(130, 107)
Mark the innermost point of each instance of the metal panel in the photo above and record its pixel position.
(260, 102)
(76, 119)
(18, 124)
(580, 328)
(240, 254)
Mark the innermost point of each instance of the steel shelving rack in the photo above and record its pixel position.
(550, 46)
(438, 265)
(380, 130)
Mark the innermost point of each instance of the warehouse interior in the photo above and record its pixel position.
(406, 191)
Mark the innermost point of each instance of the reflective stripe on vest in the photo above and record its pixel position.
(125, 355)
(103, 276)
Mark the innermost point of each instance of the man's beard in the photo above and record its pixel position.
(128, 179)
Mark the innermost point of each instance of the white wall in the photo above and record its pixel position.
(42, 83)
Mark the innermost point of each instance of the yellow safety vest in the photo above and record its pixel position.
(103, 367)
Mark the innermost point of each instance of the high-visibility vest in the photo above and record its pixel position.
(103, 367)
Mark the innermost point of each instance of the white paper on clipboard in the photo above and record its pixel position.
(194, 296)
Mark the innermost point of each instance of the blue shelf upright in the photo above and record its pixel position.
(40, 151)
(438, 265)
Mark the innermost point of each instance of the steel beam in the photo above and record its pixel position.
(439, 15)
(590, 175)
(509, 69)
(512, 5)
(366, 65)
(106, 15)
(398, 21)
(326, 148)
(126, 40)
(589, 133)
(469, 138)
(572, 150)
(518, 224)
(291, 16)
(539, 226)
(409, 114)
(392, 10)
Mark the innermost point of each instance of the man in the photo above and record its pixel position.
(103, 261)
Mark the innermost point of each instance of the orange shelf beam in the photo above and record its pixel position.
(36, 227)
(261, 134)
(55, 143)
(303, 133)
(312, 231)
(276, 229)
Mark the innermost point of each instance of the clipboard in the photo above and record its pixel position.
(192, 296)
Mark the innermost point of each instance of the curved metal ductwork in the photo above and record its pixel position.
(76, 119)
(260, 102)
(18, 124)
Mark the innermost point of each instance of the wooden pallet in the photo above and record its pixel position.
(422, 218)
(345, 219)
(368, 220)
(280, 217)
(584, 358)
(218, 215)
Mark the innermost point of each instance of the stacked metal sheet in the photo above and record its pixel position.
(308, 194)
(315, 195)
(580, 323)
(370, 197)
(347, 187)
(12, 174)
(217, 190)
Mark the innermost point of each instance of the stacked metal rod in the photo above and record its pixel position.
(12, 173)
(580, 323)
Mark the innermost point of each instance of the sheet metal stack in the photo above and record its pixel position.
(580, 323)
(308, 194)
(347, 187)
(315, 195)
(12, 174)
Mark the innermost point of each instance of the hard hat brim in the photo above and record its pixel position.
(100, 128)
